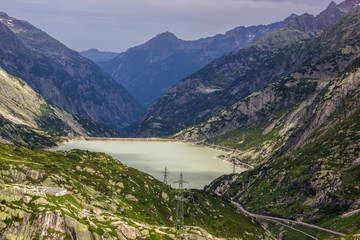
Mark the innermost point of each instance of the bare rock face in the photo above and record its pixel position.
(128, 232)
(51, 221)
(77, 230)
(29, 119)
(334, 99)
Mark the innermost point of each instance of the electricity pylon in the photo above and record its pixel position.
(179, 220)
(233, 166)
(165, 174)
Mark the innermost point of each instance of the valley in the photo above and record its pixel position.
(253, 134)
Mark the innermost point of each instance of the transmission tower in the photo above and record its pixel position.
(233, 166)
(179, 220)
(165, 174)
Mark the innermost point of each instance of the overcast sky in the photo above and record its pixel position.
(115, 25)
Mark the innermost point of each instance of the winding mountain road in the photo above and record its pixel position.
(287, 221)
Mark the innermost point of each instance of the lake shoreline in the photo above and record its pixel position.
(200, 165)
(227, 157)
(135, 139)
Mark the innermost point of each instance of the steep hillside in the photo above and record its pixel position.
(148, 70)
(71, 81)
(97, 56)
(26, 118)
(233, 77)
(84, 195)
(319, 180)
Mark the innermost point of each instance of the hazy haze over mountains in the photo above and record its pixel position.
(148, 70)
(97, 56)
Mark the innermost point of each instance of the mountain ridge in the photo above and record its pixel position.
(149, 69)
(98, 56)
(330, 54)
(71, 81)
(231, 77)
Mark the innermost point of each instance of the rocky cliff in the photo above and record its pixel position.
(26, 118)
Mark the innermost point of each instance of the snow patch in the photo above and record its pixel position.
(7, 22)
(250, 36)
(207, 90)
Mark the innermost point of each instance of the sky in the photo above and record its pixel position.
(116, 25)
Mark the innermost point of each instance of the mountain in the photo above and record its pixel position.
(301, 133)
(148, 70)
(83, 195)
(321, 58)
(318, 181)
(27, 119)
(233, 76)
(69, 80)
(97, 56)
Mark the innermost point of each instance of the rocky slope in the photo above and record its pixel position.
(318, 182)
(234, 76)
(150, 69)
(280, 108)
(83, 195)
(26, 118)
(98, 56)
(71, 81)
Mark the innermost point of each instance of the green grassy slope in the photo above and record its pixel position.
(101, 192)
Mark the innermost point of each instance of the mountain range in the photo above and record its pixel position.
(286, 108)
(60, 74)
(233, 76)
(150, 69)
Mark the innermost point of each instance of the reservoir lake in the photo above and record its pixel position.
(198, 164)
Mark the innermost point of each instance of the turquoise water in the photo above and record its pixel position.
(199, 165)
